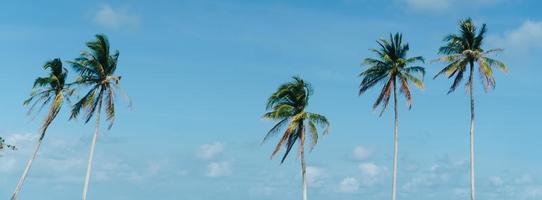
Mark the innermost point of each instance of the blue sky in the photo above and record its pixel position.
(199, 73)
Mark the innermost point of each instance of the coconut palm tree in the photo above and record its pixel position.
(3, 145)
(287, 106)
(461, 52)
(96, 69)
(392, 66)
(47, 90)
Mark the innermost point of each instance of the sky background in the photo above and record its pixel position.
(199, 74)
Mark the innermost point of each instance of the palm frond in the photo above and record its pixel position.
(452, 68)
(86, 100)
(486, 74)
(458, 77)
(417, 82)
(406, 91)
(291, 140)
(275, 129)
(319, 120)
(493, 51)
(313, 133)
(495, 63)
(110, 106)
(384, 96)
(415, 60)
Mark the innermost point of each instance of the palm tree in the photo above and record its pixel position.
(392, 66)
(462, 50)
(3, 145)
(96, 70)
(47, 90)
(287, 106)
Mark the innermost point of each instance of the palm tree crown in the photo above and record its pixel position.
(51, 89)
(390, 66)
(287, 105)
(96, 69)
(466, 48)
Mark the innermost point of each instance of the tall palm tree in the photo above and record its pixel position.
(462, 50)
(47, 90)
(3, 145)
(287, 106)
(96, 70)
(392, 66)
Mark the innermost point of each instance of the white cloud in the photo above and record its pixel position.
(209, 151)
(361, 153)
(113, 18)
(21, 139)
(8, 163)
(370, 169)
(24, 143)
(371, 174)
(496, 181)
(218, 169)
(428, 4)
(314, 175)
(442, 5)
(349, 185)
(534, 192)
(524, 179)
(443, 172)
(525, 37)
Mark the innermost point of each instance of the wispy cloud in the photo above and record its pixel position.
(428, 4)
(361, 153)
(349, 185)
(209, 151)
(372, 173)
(444, 5)
(444, 171)
(496, 181)
(527, 36)
(314, 176)
(116, 18)
(219, 169)
(370, 169)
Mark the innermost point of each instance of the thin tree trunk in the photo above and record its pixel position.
(395, 145)
(303, 164)
(50, 117)
(91, 154)
(471, 90)
(28, 165)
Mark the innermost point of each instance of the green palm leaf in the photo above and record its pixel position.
(287, 105)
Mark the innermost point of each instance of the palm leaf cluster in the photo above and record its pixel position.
(287, 106)
(391, 66)
(51, 89)
(466, 48)
(96, 70)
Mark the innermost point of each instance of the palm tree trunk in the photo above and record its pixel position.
(395, 145)
(91, 154)
(303, 164)
(471, 89)
(304, 175)
(50, 117)
(28, 165)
